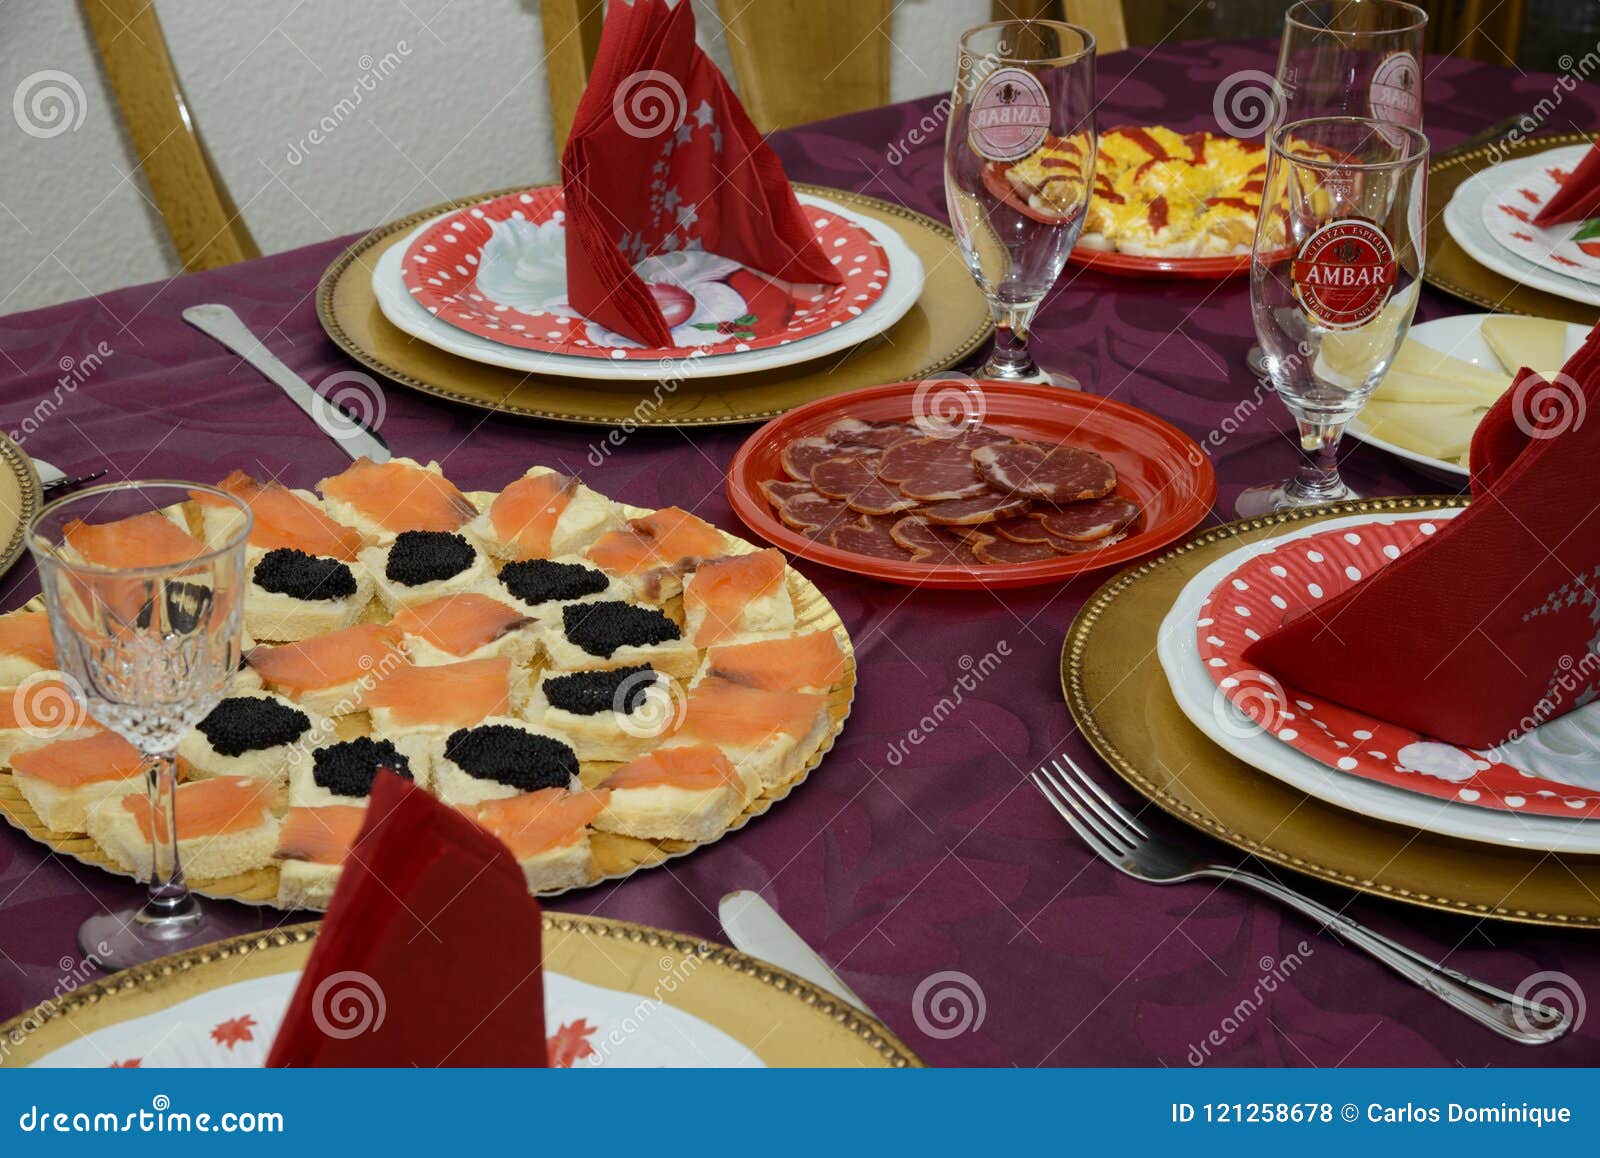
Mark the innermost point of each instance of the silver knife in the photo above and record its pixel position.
(223, 324)
(755, 928)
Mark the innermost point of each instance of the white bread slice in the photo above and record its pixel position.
(285, 619)
(605, 736)
(113, 827)
(666, 811)
(67, 809)
(305, 885)
(587, 515)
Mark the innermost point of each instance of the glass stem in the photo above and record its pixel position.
(1011, 358)
(169, 895)
(1317, 479)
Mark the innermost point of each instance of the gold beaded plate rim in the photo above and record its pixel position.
(29, 499)
(755, 389)
(1425, 869)
(813, 612)
(841, 1033)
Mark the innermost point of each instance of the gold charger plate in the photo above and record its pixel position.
(782, 1019)
(615, 856)
(949, 321)
(21, 496)
(1450, 268)
(1120, 699)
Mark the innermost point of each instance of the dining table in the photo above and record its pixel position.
(918, 859)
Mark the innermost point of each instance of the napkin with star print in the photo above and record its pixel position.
(663, 157)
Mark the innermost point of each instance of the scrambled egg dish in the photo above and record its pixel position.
(1156, 192)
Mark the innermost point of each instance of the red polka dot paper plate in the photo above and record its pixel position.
(1308, 571)
(498, 270)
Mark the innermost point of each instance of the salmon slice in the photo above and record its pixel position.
(459, 624)
(668, 536)
(284, 519)
(74, 763)
(400, 496)
(694, 768)
(812, 660)
(205, 808)
(722, 712)
(325, 661)
(147, 540)
(454, 694)
(723, 588)
(43, 704)
(27, 633)
(535, 822)
(320, 835)
(526, 512)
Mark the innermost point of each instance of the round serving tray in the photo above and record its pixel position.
(947, 324)
(780, 1018)
(1450, 268)
(1120, 698)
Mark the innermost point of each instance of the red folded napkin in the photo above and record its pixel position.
(663, 157)
(430, 951)
(1488, 627)
(1578, 199)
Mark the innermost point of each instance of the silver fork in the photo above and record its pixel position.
(1117, 837)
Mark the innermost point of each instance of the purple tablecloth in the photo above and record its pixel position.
(897, 869)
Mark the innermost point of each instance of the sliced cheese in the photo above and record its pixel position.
(1537, 343)
(1430, 429)
(1407, 386)
(1415, 358)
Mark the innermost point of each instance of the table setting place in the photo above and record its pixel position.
(795, 598)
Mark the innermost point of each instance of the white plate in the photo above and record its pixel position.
(1546, 245)
(1461, 337)
(1209, 710)
(899, 295)
(1463, 218)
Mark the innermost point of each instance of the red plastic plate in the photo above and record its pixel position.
(1158, 466)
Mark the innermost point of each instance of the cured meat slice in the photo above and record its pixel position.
(1068, 547)
(1086, 522)
(811, 513)
(984, 508)
(856, 432)
(1025, 528)
(928, 543)
(964, 436)
(1056, 474)
(870, 536)
(777, 490)
(855, 481)
(1002, 551)
(931, 469)
(804, 453)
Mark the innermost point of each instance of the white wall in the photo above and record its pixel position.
(449, 99)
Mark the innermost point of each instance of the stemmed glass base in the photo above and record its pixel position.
(1011, 362)
(133, 936)
(1316, 481)
(1254, 502)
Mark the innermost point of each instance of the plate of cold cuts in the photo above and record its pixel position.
(958, 482)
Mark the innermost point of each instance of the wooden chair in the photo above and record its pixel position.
(1103, 18)
(201, 217)
(1486, 30)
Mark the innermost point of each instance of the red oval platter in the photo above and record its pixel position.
(1144, 265)
(1159, 467)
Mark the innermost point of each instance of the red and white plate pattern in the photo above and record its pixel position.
(1508, 215)
(498, 270)
(1257, 597)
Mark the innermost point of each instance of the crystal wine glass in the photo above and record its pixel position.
(1334, 274)
(1347, 58)
(146, 622)
(1018, 170)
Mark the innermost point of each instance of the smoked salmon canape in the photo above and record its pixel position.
(26, 646)
(382, 499)
(611, 634)
(471, 625)
(770, 735)
(651, 555)
(543, 588)
(609, 715)
(685, 792)
(281, 517)
(40, 710)
(810, 661)
(224, 827)
(420, 566)
(313, 844)
(416, 707)
(333, 674)
(725, 599)
(548, 832)
(342, 772)
(501, 757)
(545, 515)
(64, 779)
(257, 735)
(295, 595)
